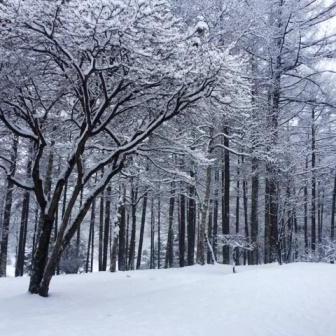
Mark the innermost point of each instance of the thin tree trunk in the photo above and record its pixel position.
(152, 233)
(313, 185)
(92, 247)
(203, 221)
(131, 256)
(106, 226)
(272, 219)
(142, 230)
(7, 211)
(238, 202)
(78, 236)
(320, 213)
(159, 232)
(35, 234)
(101, 232)
(127, 237)
(333, 206)
(191, 223)
(182, 229)
(305, 200)
(238, 210)
(254, 255)
(122, 233)
(19, 267)
(247, 255)
(210, 257)
(226, 195)
(215, 213)
(169, 260)
(91, 235)
(116, 230)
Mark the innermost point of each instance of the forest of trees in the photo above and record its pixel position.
(157, 134)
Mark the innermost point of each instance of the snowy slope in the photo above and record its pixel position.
(291, 300)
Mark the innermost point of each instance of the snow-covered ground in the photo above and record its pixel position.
(291, 300)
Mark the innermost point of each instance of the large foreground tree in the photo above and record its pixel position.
(88, 82)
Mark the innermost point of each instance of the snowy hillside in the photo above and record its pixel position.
(291, 300)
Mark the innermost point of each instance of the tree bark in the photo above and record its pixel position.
(247, 254)
(182, 229)
(142, 229)
(204, 216)
(169, 260)
(152, 237)
(91, 235)
(313, 184)
(332, 224)
(215, 213)
(20, 260)
(226, 195)
(191, 216)
(122, 233)
(106, 226)
(101, 231)
(134, 197)
(159, 232)
(254, 255)
(46, 223)
(7, 211)
(305, 215)
(210, 256)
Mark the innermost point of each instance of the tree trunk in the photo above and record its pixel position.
(101, 232)
(313, 185)
(169, 260)
(271, 224)
(41, 252)
(116, 231)
(122, 234)
(45, 230)
(320, 213)
(78, 236)
(238, 202)
(91, 235)
(215, 213)
(191, 216)
(114, 254)
(332, 224)
(247, 255)
(106, 226)
(254, 255)
(127, 237)
(19, 267)
(237, 212)
(305, 200)
(131, 257)
(7, 211)
(182, 229)
(210, 256)
(142, 230)
(152, 233)
(35, 234)
(159, 232)
(226, 195)
(204, 215)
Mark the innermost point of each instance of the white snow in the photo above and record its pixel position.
(290, 300)
(226, 100)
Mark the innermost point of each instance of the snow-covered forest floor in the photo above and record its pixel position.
(292, 300)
